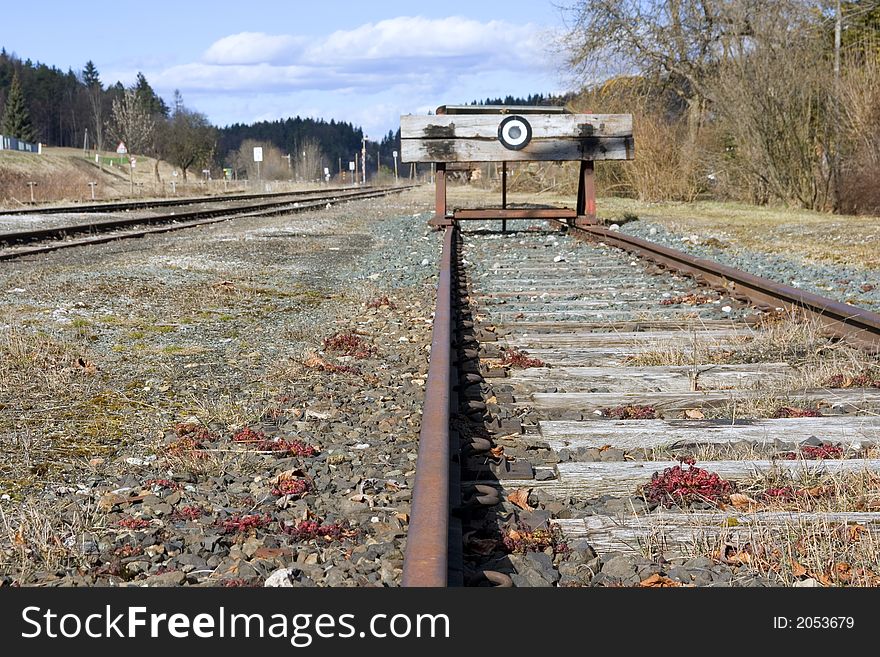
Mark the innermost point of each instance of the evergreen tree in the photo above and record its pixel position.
(95, 94)
(16, 119)
(148, 99)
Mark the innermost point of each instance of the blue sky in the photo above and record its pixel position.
(364, 62)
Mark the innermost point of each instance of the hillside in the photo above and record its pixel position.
(64, 174)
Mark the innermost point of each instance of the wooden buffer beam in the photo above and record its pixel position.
(462, 134)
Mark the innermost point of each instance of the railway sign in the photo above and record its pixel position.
(351, 166)
(121, 149)
(258, 153)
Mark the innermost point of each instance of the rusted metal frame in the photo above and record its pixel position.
(504, 195)
(426, 560)
(514, 213)
(856, 325)
(586, 196)
(440, 220)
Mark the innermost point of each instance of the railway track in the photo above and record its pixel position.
(595, 417)
(123, 206)
(20, 243)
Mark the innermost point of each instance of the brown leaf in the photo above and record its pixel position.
(87, 366)
(826, 581)
(520, 497)
(741, 501)
(797, 569)
(271, 553)
(497, 452)
(658, 581)
(694, 414)
(604, 448)
(815, 491)
(855, 531)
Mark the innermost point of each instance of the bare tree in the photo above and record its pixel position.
(310, 160)
(774, 101)
(274, 166)
(132, 122)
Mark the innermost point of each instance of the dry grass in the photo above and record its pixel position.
(800, 547)
(32, 538)
(816, 236)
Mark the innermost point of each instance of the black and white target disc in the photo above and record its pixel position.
(514, 133)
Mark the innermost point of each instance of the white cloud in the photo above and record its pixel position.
(252, 48)
(368, 75)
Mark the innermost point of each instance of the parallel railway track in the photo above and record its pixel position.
(17, 244)
(543, 349)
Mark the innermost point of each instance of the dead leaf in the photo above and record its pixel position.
(797, 569)
(402, 517)
(604, 448)
(741, 501)
(87, 366)
(492, 400)
(497, 452)
(110, 500)
(658, 581)
(271, 553)
(694, 414)
(815, 491)
(520, 497)
(826, 581)
(855, 532)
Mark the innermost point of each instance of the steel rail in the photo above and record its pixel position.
(196, 219)
(426, 561)
(854, 324)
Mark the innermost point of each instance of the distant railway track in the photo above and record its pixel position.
(567, 377)
(117, 206)
(17, 244)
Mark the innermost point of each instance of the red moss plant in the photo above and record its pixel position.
(683, 487)
(308, 530)
(520, 359)
(237, 524)
(867, 378)
(279, 446)
(190, 512)
(631, 412)
(133, 523)
(348, 344)
(814, 452)
(794, 411)
(292, 487)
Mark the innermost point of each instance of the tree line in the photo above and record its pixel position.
(77, 109)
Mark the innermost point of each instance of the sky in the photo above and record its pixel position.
(251, 60)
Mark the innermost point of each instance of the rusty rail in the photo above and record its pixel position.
(856, 325)
(426, 560)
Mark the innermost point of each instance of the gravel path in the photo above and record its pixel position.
(233, 405)
(853, 285)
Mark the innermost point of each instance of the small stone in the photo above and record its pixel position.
(171, 578)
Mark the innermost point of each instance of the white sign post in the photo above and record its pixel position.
(395, 165)
(258, 157)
